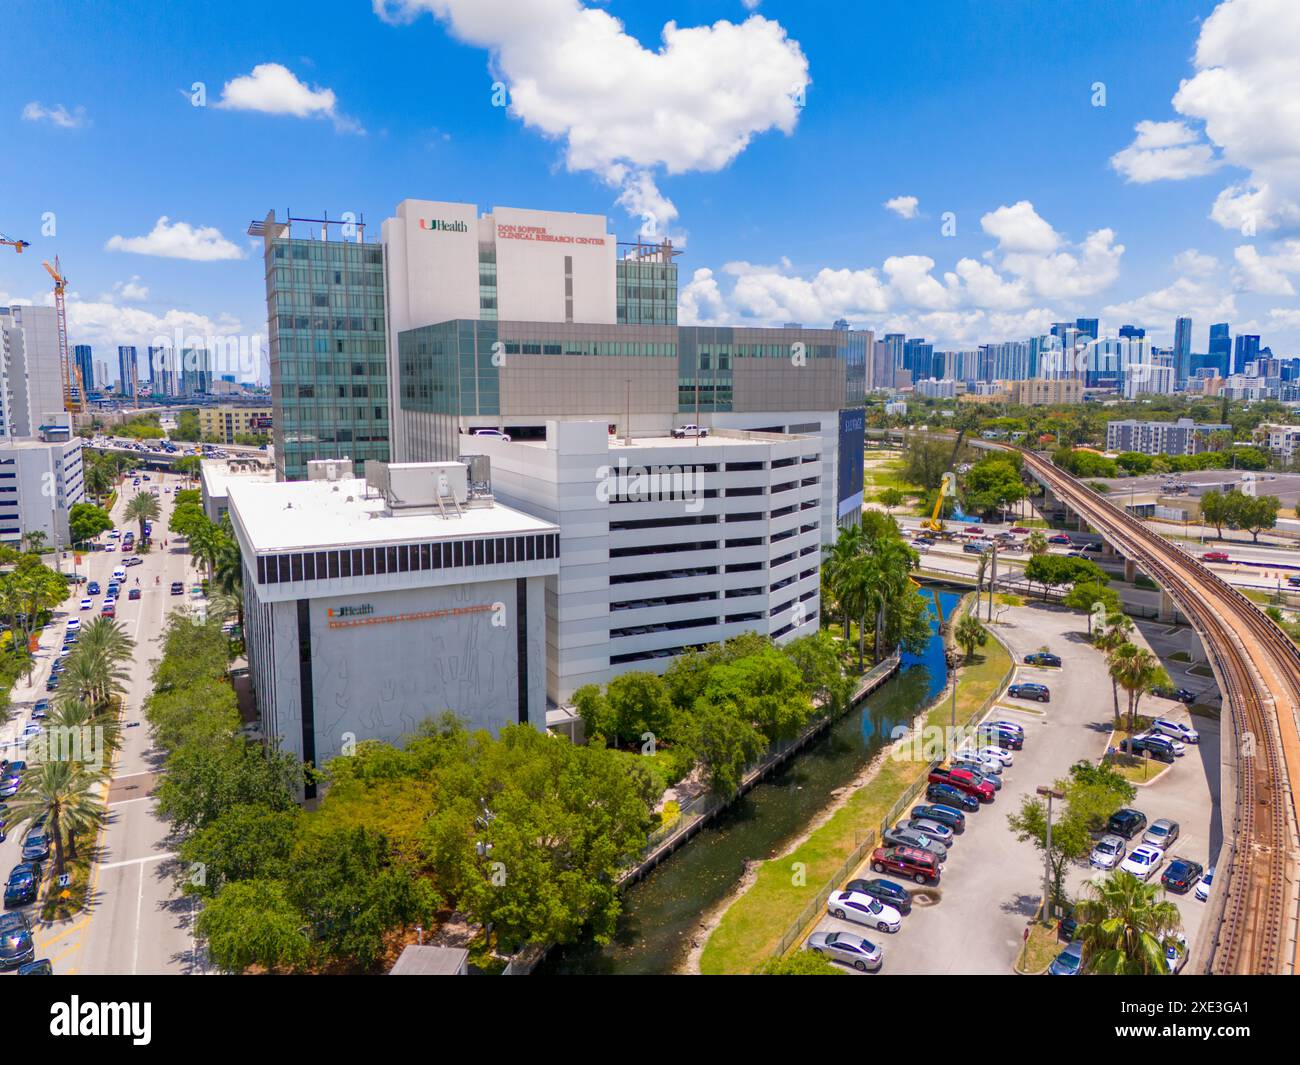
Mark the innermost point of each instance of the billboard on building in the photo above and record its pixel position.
(852, 442)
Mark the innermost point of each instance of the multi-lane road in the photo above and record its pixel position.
(136, 920)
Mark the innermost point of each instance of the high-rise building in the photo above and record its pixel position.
(128, 371)
(327, 338)
(1088, 327)
(1221, 348)
(84, 359)
(31, 374)
(1182, 350)
(1131, 332)
(1245, 351)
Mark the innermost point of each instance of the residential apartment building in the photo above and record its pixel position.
(1181, 437)
(226, 423)
(40, 480)
(1039, 391)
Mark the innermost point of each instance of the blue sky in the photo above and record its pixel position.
(984, 113)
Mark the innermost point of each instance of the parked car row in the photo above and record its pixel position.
(916, 848)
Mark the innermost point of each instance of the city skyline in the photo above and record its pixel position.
(962, 254)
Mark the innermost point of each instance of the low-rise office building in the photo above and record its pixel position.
(40, 480)
(1040, 391)
(668, 543)
(216, 475)
(374, 604)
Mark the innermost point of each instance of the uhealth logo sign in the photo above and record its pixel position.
(446, 227)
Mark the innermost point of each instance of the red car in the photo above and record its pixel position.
(108, 610)
(1018, 530)
(963, 780)
(911, 862)
(1215, 556)
(977, 529)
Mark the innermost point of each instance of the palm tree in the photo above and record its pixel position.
(1136, 670)
(1125, 930)
(34, 539)
(1036, 543)
(61, 794)
(1115, 634)
(840, 555)
(98, 479)
(143, 507)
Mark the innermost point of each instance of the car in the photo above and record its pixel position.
(683, 431)
(178, 588)
(929, 541)
(197, 593)
(1030, 690)
(113, 534)
(119, 574)
(41, 708)
(1059, 538)
(1215, 556)
(919, 547)
(979, 771)
(941, 814)
(917, 865)
(931, 830)
(1182, 874)
(9, 785)
(886, 891)
(134, 560)
(1203, 885)
(1161, 833)
(977, 530)
(863, 909)
(93, 587)
(53, 683)
(974, 548)
(1009, 741)
(23, 883)
(1108, 852)
(1069, 962)
(40, 967)
(16, 946)
(74, 625)
(36, 847)
(1126, 822)
(1042, 658)
(31, 729)
(1155, 741)
(1091, 549)
(1143, 860)
(134, 593)
(845, 947)
(1174, 730)
(87, 604)
(1006, 758)
(1181, 695)
(964, 780)
(947, 795)
(985, 763)
(1139, 746)
(902, 836)
(108, 610)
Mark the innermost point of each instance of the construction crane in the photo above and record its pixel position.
(17, 245)
(61, 312)
(949, 487)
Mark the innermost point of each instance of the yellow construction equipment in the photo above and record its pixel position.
(70, 402)
(948, 487)
(17, 245)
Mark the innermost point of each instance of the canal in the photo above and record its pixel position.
(662, 911)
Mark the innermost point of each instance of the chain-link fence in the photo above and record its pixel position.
(863, 842)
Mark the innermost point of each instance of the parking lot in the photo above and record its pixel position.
(991, 884)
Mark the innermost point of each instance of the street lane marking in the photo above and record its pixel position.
(139, 861)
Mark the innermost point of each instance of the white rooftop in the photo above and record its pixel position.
(218, 473)
(316, 515)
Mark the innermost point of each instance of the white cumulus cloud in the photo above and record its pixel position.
(624, 111)
(903, 206)
(58, 115)
(178, 240)
(273, 89)
(1165, 151)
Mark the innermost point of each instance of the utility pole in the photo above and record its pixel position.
(1049, 794)
(993, 579)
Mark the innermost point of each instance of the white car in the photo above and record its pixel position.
(920, 548)
(683, 431)
(113, 534)
(134, 560)
(74, 624)
(1005, 757)
(1108, 852)
(86, 604)
(863, 909)
(1203, 885)
(969, 754)
(1143, 860)
(119, 574)
(497, 433)
(1175, 730)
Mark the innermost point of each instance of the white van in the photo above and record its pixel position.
(119, 574)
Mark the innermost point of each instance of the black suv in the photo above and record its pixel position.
(1149, 745)
(1127, 822)
(888, 892)
(178, 588)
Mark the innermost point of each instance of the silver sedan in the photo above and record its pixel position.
(845, 947)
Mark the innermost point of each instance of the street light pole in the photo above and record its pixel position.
(1049, 794)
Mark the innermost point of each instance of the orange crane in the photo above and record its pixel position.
(60, 286)
(17, 245)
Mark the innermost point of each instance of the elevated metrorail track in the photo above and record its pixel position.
(1258, 670)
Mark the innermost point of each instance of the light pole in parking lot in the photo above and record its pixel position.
(1049, 794)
